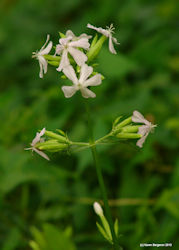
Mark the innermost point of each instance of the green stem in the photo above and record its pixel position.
(100, 178)
(80, 143)
(103, 138)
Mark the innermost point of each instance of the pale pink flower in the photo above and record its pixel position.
(82, 83)
(145, 129)
(35, 141)
(70, 44)
(40, 56)
(108, 32)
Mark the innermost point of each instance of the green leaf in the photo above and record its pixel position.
(116, 227)
(34, 245)
(39, 238)
(106, 226)
(102, 231)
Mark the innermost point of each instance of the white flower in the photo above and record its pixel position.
(69, 44)
(108, 33)
(35, 141)
(98, 209)
(40, 56)
(145, 129)
(82, 83)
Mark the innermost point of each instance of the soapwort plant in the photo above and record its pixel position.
(73, 57)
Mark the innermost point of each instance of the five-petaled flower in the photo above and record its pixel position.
(82, 83)
(70, 44)
(40, 56)
(145, 129)
(35, 141)
(108, 32)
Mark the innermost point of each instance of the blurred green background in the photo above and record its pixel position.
(56, 197)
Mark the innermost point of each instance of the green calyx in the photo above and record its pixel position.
(95, 48)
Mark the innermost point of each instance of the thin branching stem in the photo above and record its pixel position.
(100, 177)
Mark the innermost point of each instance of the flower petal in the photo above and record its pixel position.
(100, 30)
(85, 36)
(69, 91)
(59, 49)
(41, 153)
(42, 132)
(139, 118)
(111, 46)
(79, 57)
(37, 137)
(143, 129)
(64, 61)
(86, 93)
(41, 70)
(47, 49)
(70, 33)
(141, 141)
(93, 81)
(48, 38)
(85, 72)
(81, 43)
(43, 66)
(70, 73)
(64, 41)
(115, 40)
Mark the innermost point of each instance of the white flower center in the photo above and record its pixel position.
(79, 85)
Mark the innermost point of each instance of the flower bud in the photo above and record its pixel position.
(98, 209)
(53, 135)
(94, 41)
(94, 50)
(52, 146)
(53, 63)
(130, 129)
(117, 127)
(52, 58)
(128, 136)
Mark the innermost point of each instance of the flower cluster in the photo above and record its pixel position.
(73, 52)
(73, 59)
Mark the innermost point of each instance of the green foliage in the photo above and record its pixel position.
(51, 238)
(143, 76)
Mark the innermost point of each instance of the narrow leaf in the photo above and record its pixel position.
(102, 231)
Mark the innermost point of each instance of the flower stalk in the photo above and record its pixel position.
(100, 178)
